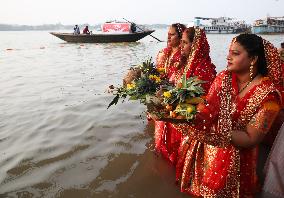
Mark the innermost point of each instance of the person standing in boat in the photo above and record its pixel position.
(76, 30)
(133, 27)
(86, 30)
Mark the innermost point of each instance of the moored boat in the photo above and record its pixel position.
(112, 32)
(221, 25)
(102, 38)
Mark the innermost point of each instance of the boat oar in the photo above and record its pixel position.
(142, 30)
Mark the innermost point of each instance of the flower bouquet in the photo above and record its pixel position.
(179, 102)
(146, 83)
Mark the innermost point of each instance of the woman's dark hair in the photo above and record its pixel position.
(179, 28)
(190, 32)
(253, 44)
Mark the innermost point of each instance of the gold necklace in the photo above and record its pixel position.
(247, 84)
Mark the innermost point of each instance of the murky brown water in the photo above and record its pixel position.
(57, 139)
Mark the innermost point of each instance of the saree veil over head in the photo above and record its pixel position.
(273, 62)
(199, 61)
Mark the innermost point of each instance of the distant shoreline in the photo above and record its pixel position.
(59, 26)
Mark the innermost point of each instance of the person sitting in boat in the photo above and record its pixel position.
(76, 30)
(86, 30)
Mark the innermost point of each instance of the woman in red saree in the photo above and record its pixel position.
(241, 105)
(169, 58)
(197, 62)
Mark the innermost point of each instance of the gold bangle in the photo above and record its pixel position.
(230, 137)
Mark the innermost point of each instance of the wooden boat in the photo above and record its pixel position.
(103, 37)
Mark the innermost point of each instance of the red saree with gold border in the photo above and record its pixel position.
(170, 61)
(167, 136)
(166, 142)
(223, 170)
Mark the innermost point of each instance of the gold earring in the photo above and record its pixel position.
(251, 71)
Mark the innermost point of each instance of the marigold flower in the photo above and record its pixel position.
(152, 77)
(167, 94)
(130, 86)
(158, 80)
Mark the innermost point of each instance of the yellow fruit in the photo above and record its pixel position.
(173, 114)
(190, 109)
(169, 107)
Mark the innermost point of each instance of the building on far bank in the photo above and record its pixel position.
(269, 25)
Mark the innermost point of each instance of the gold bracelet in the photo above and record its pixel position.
(230, 137)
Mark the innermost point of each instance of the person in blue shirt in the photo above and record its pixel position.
(76, 30)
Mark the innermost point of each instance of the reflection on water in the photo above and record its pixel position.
(57, 138)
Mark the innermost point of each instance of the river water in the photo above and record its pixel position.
(57, 139)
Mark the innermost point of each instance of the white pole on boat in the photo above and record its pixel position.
(142, 30)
